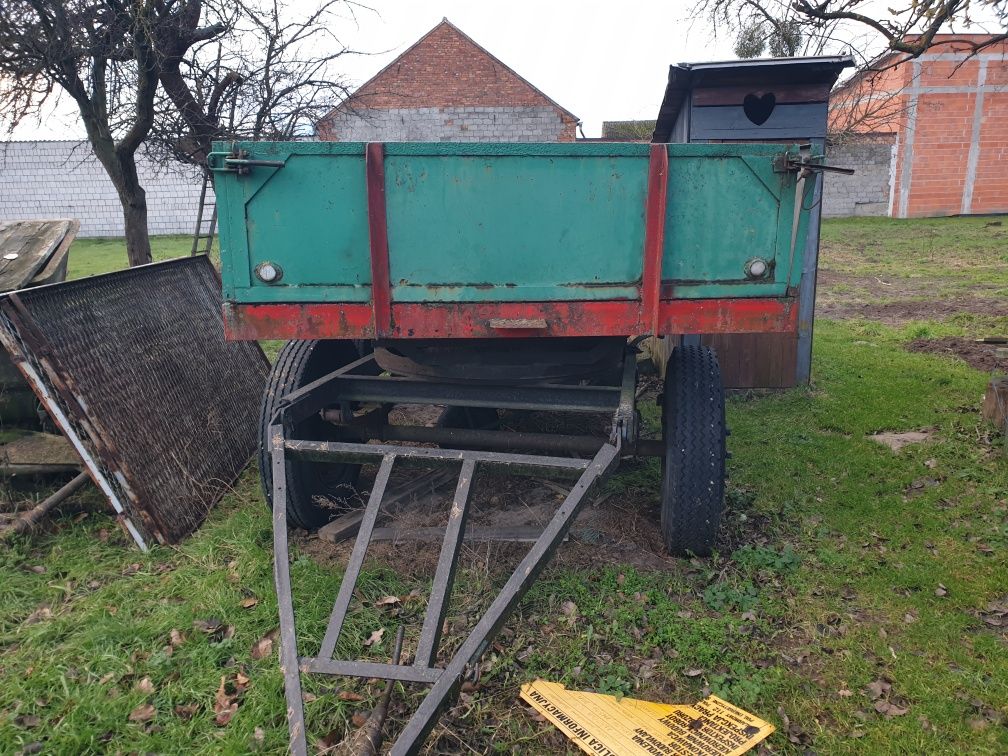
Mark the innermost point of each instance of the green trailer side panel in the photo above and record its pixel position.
(504, 222)
(468, 228)
(716, 220)
(318, 234)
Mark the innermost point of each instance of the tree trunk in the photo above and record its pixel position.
(119, 163)
(134, 203)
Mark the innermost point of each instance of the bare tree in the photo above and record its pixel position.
(272, 76)
(140, 67)
(101, 54)
(908, 27)
(870, 102)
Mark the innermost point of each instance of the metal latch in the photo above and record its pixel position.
(803, 163)
(238, 162)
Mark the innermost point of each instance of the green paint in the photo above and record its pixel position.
(505, 222)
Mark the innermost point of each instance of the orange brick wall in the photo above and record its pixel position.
(949, 111)
(446, 69)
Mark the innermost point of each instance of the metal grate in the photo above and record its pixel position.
(162, 408)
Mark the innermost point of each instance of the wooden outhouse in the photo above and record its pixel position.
(763, 100)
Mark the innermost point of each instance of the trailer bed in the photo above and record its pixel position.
(430, 240)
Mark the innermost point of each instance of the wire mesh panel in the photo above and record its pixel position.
(134, 367)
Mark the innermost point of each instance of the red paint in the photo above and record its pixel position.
(381, 289)
(654, 233)
(461, 320)
(297, 321)
(728, 316)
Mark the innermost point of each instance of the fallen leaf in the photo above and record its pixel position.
(176, 638)
(889, 709)
(27, 721)
(210, 625)
(142, 713)
(359, 718)
(844, 693)
(375, 637)
(931, 464)
(215, 628)
(144, 686)
(258, 738)
(693, 672)
(40, 614)
(186, 711)
(106, 677)
(264, 646)
(349, 695)
(225, 704)
(569, 609)
(248, 603)
(387, 601)
(878, 689)
(325, 744)
(941, 590)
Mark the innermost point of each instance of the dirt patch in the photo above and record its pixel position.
(895, 301)
(897, 441)
(611, 529)
(977, 355)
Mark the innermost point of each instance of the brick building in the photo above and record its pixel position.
(948, 110)
(446, 87)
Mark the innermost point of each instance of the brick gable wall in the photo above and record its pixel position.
(446, 87)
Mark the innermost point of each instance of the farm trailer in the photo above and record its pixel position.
(480, 277)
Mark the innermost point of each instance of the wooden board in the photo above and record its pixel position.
(995, 403)
(755, 360)
(25, 247)
(37, 453)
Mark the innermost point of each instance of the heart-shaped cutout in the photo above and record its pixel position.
(759, 107)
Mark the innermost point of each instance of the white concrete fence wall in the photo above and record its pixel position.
(41, 180)
(63, 180)
(867, 192)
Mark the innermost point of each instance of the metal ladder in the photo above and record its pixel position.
(198, 233)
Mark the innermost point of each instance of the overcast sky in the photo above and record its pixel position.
(600, 60)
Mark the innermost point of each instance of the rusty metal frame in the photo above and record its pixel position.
(47, 355)
(444, 681)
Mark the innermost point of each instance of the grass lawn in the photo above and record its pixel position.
(91, 256)
(861, 606)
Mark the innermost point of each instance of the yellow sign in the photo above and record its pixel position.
(603, 726)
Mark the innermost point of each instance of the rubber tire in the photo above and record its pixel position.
(300, 363)
(693, 468)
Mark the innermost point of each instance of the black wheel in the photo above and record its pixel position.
(316, 492)
(693, 469)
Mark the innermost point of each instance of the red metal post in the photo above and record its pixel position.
(381, 289)
(654, 237)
